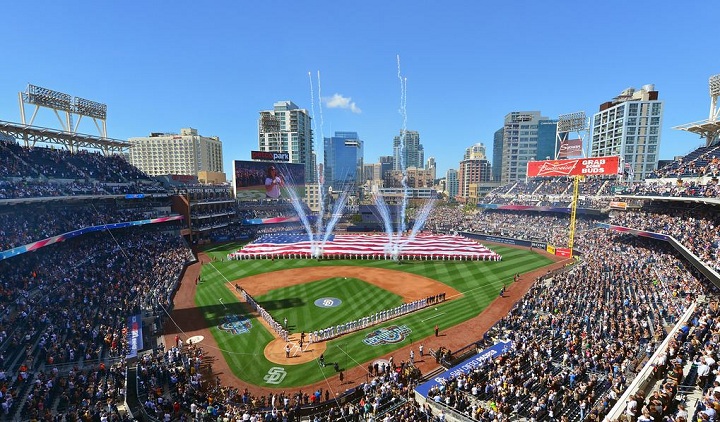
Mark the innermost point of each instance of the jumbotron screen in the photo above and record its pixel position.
(268, 180)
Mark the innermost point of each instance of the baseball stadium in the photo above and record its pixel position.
(576, 293)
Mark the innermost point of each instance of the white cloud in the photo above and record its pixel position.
(338, 101)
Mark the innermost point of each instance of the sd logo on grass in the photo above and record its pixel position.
(328, 302)
(275, 375)
(389, 335)
(236, 324)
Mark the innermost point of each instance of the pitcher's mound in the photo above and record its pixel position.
(275, 351)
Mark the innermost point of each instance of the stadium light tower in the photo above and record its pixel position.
(714, 85)
(65, 104)
(571, 123)
(567, 124)
(710, 128)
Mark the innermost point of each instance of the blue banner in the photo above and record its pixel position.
(491, 352)
(134, 335)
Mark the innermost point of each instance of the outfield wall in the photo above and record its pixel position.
(506, 240)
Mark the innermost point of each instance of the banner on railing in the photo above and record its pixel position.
(75, 233)
(134, 335)
(491, 352)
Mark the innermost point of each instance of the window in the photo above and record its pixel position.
(656, 107)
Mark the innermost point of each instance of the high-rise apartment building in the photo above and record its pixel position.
(288, 128)
(414, 178)
(430, 163)
(473, 171)
(413, 155)
(343, 160)
(497, 154)
(478, 150)
(523, 142)
(186, 153)
(629, 126)
(387, 163)
(451, 183)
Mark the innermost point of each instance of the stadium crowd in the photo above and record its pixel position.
(63, 335)
(576, 345)
(26, 224)
(51, 163)
(700, 162)
(697, 228)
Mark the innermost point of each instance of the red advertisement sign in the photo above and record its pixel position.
(563, 252)
(571, 148)
(578, 167)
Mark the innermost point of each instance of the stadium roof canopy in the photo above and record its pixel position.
(71, 141)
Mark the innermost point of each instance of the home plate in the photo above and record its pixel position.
(195, 339)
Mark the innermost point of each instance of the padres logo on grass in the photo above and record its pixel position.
(236, 324)
(328, 302)
(389, 335)
(275, 375)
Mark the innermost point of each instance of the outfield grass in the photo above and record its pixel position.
(479, 281)
(296, 303)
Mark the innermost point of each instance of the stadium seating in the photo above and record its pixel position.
(579, 340)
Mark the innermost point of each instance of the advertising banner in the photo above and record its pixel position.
(270, 155)
(570, 148)
(551, 249)
(494, 351)
(134, 335)
(618, 205)
(497, 239)
(564, 252)
(578, 167)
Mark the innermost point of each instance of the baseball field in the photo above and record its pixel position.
(313, 295)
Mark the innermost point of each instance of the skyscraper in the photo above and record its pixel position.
(629, 126)
(523, 142)
(451, 183)
(343, 160)
(287, 128)
(497, 154)
(412, 156)
(387, 163)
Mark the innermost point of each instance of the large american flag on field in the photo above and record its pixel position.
(424, 246)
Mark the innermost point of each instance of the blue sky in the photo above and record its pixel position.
(161, 66)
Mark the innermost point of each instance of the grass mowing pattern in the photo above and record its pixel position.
(479, 281)
(297, 303)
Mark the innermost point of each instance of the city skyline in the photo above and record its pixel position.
(215, 68)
